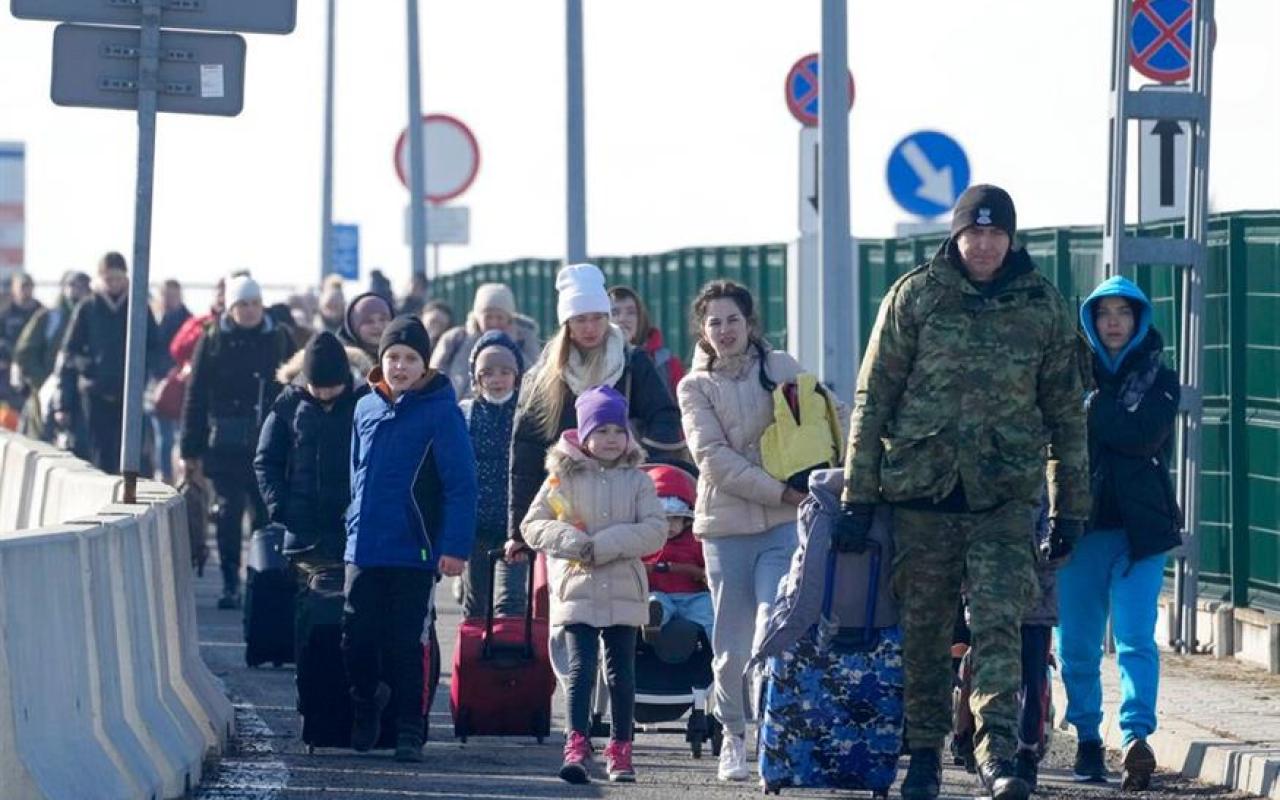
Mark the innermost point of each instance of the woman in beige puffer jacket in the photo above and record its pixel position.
(745, 517)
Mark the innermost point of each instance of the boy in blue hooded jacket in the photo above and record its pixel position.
(412, 515)
(1117, 567)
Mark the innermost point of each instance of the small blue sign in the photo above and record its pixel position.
(1160, 39)
(346, 250)
(927, 171)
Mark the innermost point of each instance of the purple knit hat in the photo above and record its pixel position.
(601, 405)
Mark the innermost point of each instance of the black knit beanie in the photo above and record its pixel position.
(985, 206)
(324, 362)
(409, 332)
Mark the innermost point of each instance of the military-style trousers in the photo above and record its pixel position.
(990, 555)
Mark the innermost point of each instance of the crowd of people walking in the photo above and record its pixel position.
(1012, 438)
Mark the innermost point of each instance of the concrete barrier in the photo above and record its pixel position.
(103, 693)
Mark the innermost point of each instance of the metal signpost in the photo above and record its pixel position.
(143, 68)
(575, 138)
(1169, 40)
(927, 171)
(417, 158)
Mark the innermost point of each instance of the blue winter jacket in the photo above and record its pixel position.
(413, 478)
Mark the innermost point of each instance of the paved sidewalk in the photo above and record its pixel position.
(1219, 721)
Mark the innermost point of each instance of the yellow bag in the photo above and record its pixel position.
(790, 448)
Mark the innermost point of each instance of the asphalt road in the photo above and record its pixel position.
(268, 761)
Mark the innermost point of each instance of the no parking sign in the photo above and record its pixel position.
(1160, 39)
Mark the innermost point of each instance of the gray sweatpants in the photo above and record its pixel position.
(743, 573)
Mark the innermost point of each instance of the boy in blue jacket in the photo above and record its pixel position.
(412, 515)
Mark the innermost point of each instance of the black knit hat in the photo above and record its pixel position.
(324, 362)
(409, 332)
(985, 206)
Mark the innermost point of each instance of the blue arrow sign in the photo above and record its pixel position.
(927, 171)
(346, 250)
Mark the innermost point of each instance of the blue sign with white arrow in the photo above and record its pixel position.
(346, 250)
(927, 171)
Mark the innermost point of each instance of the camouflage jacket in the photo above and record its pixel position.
(959, 384)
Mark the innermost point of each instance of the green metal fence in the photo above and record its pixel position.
(1240, 508)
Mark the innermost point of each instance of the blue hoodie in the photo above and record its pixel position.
(413, 478)
(1116, 286)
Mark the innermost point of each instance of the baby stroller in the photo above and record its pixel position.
(673, 679)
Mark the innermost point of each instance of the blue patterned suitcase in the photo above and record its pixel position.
(832, 715)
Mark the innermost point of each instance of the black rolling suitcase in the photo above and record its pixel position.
(324, 700)
(269, 592)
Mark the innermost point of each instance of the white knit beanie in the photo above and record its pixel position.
(242, 289)
(581, 288)
(493, 297)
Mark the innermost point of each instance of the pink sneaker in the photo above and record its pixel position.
(577, 755)
(617, 759)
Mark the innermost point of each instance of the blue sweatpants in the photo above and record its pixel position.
(1097, 580)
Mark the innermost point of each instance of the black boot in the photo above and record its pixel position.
(962, 752)
(1001, 782)
(367, 721)
(1091, 763)
(924, 775)
(409, 748)
(230, 599)
(1139, 764)
(1027, 766)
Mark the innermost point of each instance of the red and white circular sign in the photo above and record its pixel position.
(451, 154)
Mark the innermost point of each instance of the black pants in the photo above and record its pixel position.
(235, 488)
(1036, 643)
(103, 416)
(620, 670)
(385, 614)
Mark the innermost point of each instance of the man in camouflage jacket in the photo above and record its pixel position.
(969, 398)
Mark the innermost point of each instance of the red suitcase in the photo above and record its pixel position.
(502, 681)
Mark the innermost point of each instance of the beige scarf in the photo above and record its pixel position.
(585, 371)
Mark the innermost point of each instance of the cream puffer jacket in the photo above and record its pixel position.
(725, 411)
(593, 557)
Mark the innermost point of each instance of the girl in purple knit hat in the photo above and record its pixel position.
(595, 517)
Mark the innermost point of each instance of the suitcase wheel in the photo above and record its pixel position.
(772, 787)
(599, 728)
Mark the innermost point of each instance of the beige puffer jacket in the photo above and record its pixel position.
(593, 568)
(725, 411)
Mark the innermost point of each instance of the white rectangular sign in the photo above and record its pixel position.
(12, 206)
(810, 163)
(1162, 169)
(445, 224)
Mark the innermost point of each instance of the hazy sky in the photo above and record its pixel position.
(688, 139)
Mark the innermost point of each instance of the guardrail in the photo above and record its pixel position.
(103, 693)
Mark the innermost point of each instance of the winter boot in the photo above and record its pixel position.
(1027, 766)
(367, 721)
(1139, 764)
(1091, 763)
(924, 775)
(1001, 782)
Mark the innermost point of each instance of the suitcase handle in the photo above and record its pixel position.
(486, 651)
(849, 641)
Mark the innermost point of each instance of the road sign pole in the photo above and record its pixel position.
(417, 164)
(326, 211)
(575, 136)
(135, 365)
(840, 346)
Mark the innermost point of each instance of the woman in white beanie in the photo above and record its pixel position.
(494, 309)
(587, 351)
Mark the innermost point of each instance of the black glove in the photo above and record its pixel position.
(853, 527)
(1063, 535)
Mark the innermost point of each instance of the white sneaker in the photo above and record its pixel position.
(733, 759)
